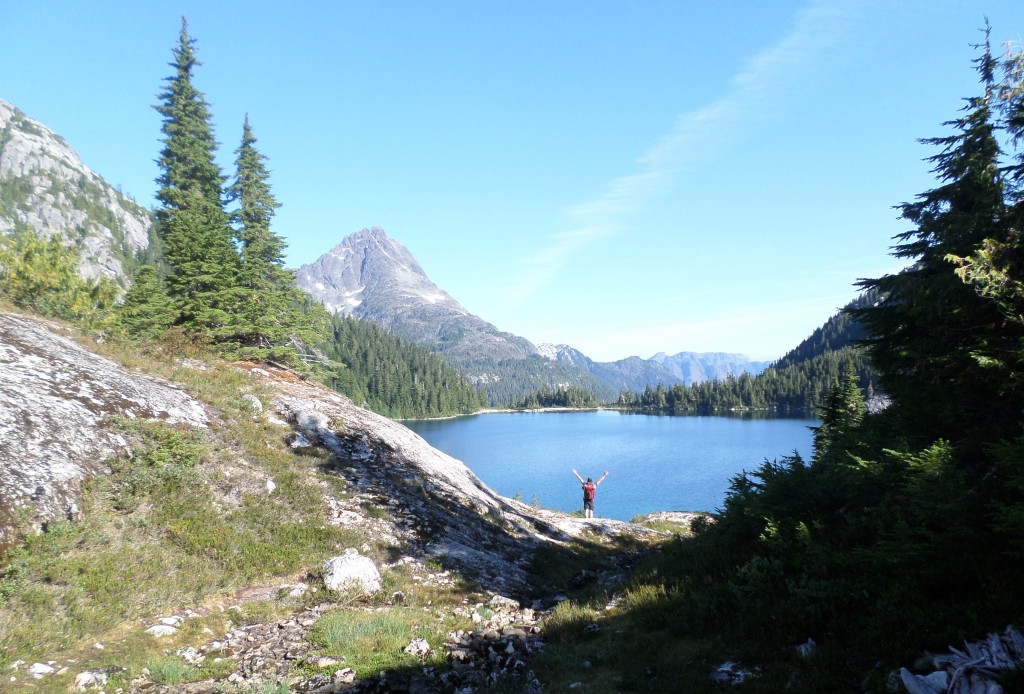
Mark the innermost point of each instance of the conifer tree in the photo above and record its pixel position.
(272, 314)
(146, 311)
(929, 327)
(194, 230)
(840, 416)
(996, 269)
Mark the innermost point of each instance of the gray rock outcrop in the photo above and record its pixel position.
(447, 509)
(57, 403)
(49, 190)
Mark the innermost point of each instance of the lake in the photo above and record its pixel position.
(655, 463)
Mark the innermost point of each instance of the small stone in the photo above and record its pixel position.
(297, 591)
(500, 602)
(352, 571)
(461, 655)
(89, 679)
(161, 630)
(418, 647)
(253, 402)
(190, 655)
(40, 670)
(347, 676)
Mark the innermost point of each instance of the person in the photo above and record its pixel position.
(589, 490)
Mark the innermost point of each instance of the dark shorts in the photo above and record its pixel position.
(588, 504)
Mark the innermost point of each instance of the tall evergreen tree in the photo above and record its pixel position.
(194, 230)
(929, 328)
(272, 315)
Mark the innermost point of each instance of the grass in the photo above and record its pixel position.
(170, 670)
(371, 640)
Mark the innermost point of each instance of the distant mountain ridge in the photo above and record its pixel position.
(371, 276)
(696, 367)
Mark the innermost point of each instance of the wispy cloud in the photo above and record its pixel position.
(757, 90)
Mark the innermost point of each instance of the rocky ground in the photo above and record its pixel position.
(58, 404)
(280, 652)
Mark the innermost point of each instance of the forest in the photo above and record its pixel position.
(561, 396)
(798, 384)
(395, 377)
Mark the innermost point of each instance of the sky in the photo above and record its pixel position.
(623, 177)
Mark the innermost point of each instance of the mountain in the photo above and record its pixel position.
(634, 373)
(697, 367)
(46, 188)
(373, 277)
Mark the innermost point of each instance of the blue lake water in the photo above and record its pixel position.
(654, 463)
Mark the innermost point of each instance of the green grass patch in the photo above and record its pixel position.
(374, 640)
(170, 669)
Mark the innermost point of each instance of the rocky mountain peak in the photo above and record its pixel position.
(49, 190)
(371, 276)
(369, 263)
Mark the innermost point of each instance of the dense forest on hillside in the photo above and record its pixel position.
(395, 377)
(557, 397)
(512, 380)
(797, 384)
(905, 531)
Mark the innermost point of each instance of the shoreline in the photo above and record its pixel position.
(504, 410)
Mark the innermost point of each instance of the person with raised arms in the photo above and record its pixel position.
(589, 490)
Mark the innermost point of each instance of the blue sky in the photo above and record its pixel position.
(623, 177)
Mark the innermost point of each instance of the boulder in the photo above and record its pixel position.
(352, 572)
(90, 679)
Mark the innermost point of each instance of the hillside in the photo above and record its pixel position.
(45, 187)
(797, 384)
(233, 484)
